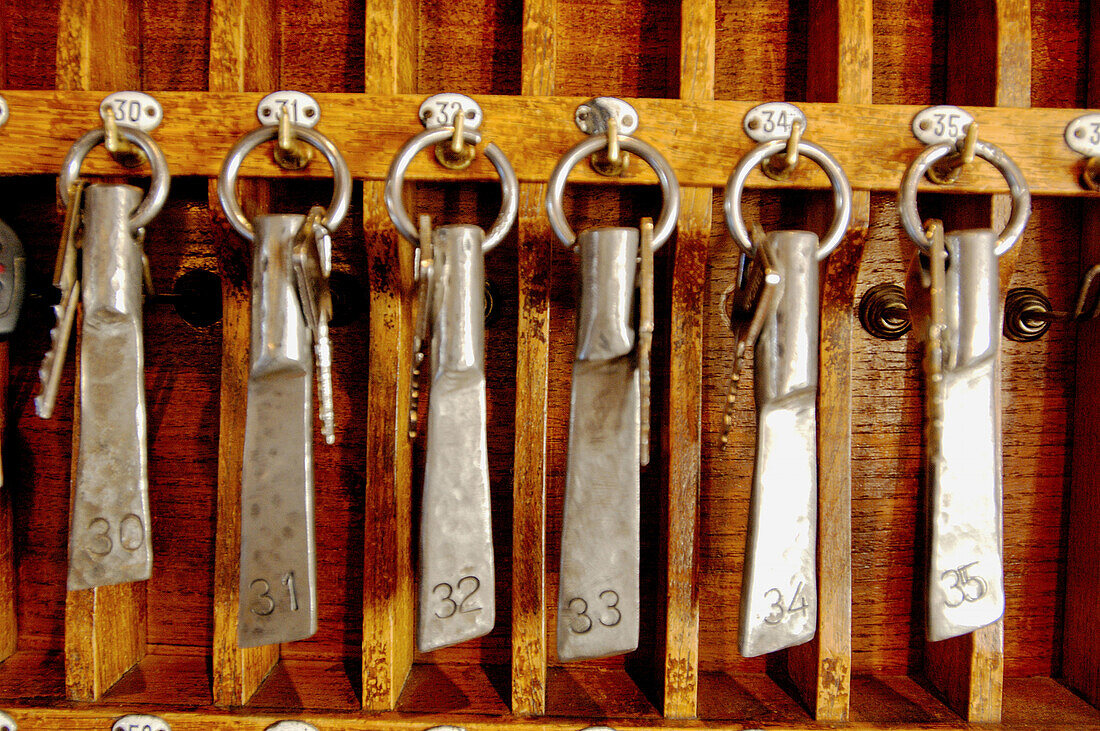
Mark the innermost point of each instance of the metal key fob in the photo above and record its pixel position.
(109, 540)
(599, 601)
(957, 313)
(598, 594)
(278, 561)
(962, 435)
(779, 591)
(779, 588)
(291, 308)
(109, 531)
(457, 583)
(457, 589)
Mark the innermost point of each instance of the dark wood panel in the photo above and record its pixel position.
(470, 47)
(909, 51)
(594, 59)
(321, 45)
(760, 50)
(175, 45)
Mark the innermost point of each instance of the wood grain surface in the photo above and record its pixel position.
(388, 581)
(371, 64)
(681, 537)
(535, 242)
(369, 129)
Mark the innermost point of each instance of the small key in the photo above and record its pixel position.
(312, 254)
(756, 296)
(424, 267)
(66, 280)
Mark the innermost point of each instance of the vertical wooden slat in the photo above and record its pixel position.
(99, 47)
(685, 392)
(243, 57)
(536, 243)
(989, 63)
(1081, 641)
(388, 623)
(840, 70)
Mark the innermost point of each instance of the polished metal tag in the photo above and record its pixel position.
(278, 595)
(109, 538)
(966, 576)
(779, 592)
(598, 595)
(457, 587)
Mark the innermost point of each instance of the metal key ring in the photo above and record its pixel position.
(395, 183)
(842, 193)
(227, 178)
(1017, 187)
(158, 187)
(670, 186)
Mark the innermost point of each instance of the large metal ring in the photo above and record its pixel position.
(227, 178)
(1017, 187)
(842, 193)
(158, 187)
(395, 184)
(670, 186)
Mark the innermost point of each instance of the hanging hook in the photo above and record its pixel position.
(1090, 175)
(455, 154)
(290, 152)
(780, 167)
(947, 170)
(611, 161)
(123, 151)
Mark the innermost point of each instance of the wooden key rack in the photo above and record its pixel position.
(859, 70)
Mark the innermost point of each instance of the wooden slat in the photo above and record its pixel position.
(388, 588)
(1081, 641)
(370, 128)
(98, 46)
(989, 62)
(685, 392)
(243, 57)
(534, 261)
(840, 63)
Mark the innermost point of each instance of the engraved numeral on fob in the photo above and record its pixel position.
(779, 610)
(456, 599)
(288, 582)
(609, 615)
(131, 535)
(262, 589)
(961, 579)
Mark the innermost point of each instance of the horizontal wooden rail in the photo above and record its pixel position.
(701, 139)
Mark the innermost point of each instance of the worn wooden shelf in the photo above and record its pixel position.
(860, 70)
(701, 139)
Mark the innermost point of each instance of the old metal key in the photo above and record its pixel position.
(779, 590)
(599, 602)
(457, 574)
(753, 301)
(109, 532)
(290, 313)
(957, 312)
